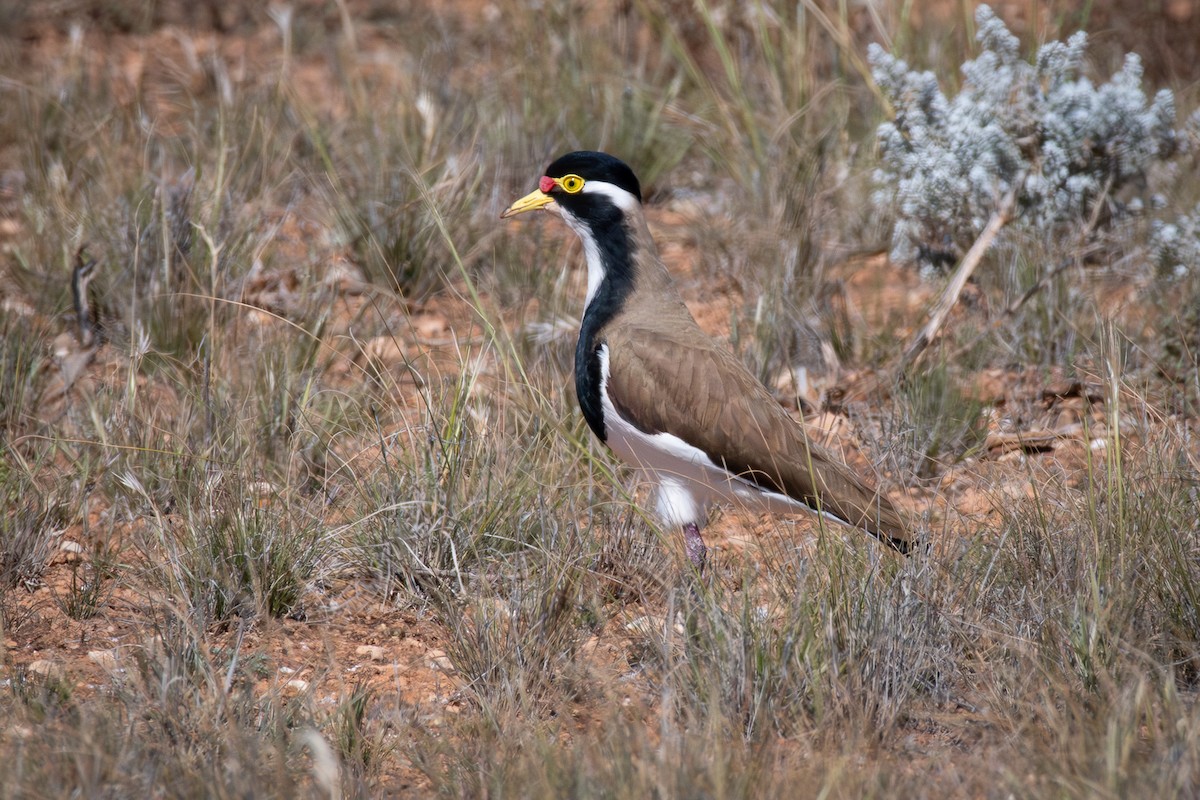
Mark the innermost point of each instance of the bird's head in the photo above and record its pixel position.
(589, 190)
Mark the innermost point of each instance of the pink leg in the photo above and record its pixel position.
(694, 546)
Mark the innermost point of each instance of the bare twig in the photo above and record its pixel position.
(1077, 254)
(1001, 217)
(1062, 265)
(85, 318)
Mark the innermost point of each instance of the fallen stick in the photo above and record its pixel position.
(1001, 217)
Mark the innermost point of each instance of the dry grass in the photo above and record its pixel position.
(329, 413)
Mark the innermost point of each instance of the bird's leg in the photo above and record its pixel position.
(694, 546)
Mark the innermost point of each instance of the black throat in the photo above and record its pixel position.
(616, 248)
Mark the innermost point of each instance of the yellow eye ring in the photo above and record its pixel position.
(571, 184)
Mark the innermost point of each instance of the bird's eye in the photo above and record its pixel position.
(571, 184)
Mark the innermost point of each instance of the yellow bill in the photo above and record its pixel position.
(530, 202)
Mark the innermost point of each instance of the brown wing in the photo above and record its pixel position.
(688, 385)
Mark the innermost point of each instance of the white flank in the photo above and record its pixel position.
(688, 481)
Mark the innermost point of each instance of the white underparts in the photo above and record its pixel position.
(687, 481)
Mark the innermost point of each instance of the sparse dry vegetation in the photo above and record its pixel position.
(296, 502)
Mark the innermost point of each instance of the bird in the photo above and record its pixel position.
(670, 400)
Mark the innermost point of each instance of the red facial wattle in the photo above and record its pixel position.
(546, 184)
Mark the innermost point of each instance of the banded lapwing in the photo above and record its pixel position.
(666, 397)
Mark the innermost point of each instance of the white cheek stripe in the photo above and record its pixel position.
(591, 251)
(688, 482)
(620, 198)
(595, 264)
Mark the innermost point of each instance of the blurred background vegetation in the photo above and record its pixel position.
(277, 386)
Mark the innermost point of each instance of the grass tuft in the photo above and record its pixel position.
(338, 528)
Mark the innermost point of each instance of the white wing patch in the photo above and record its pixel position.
(688, 481)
